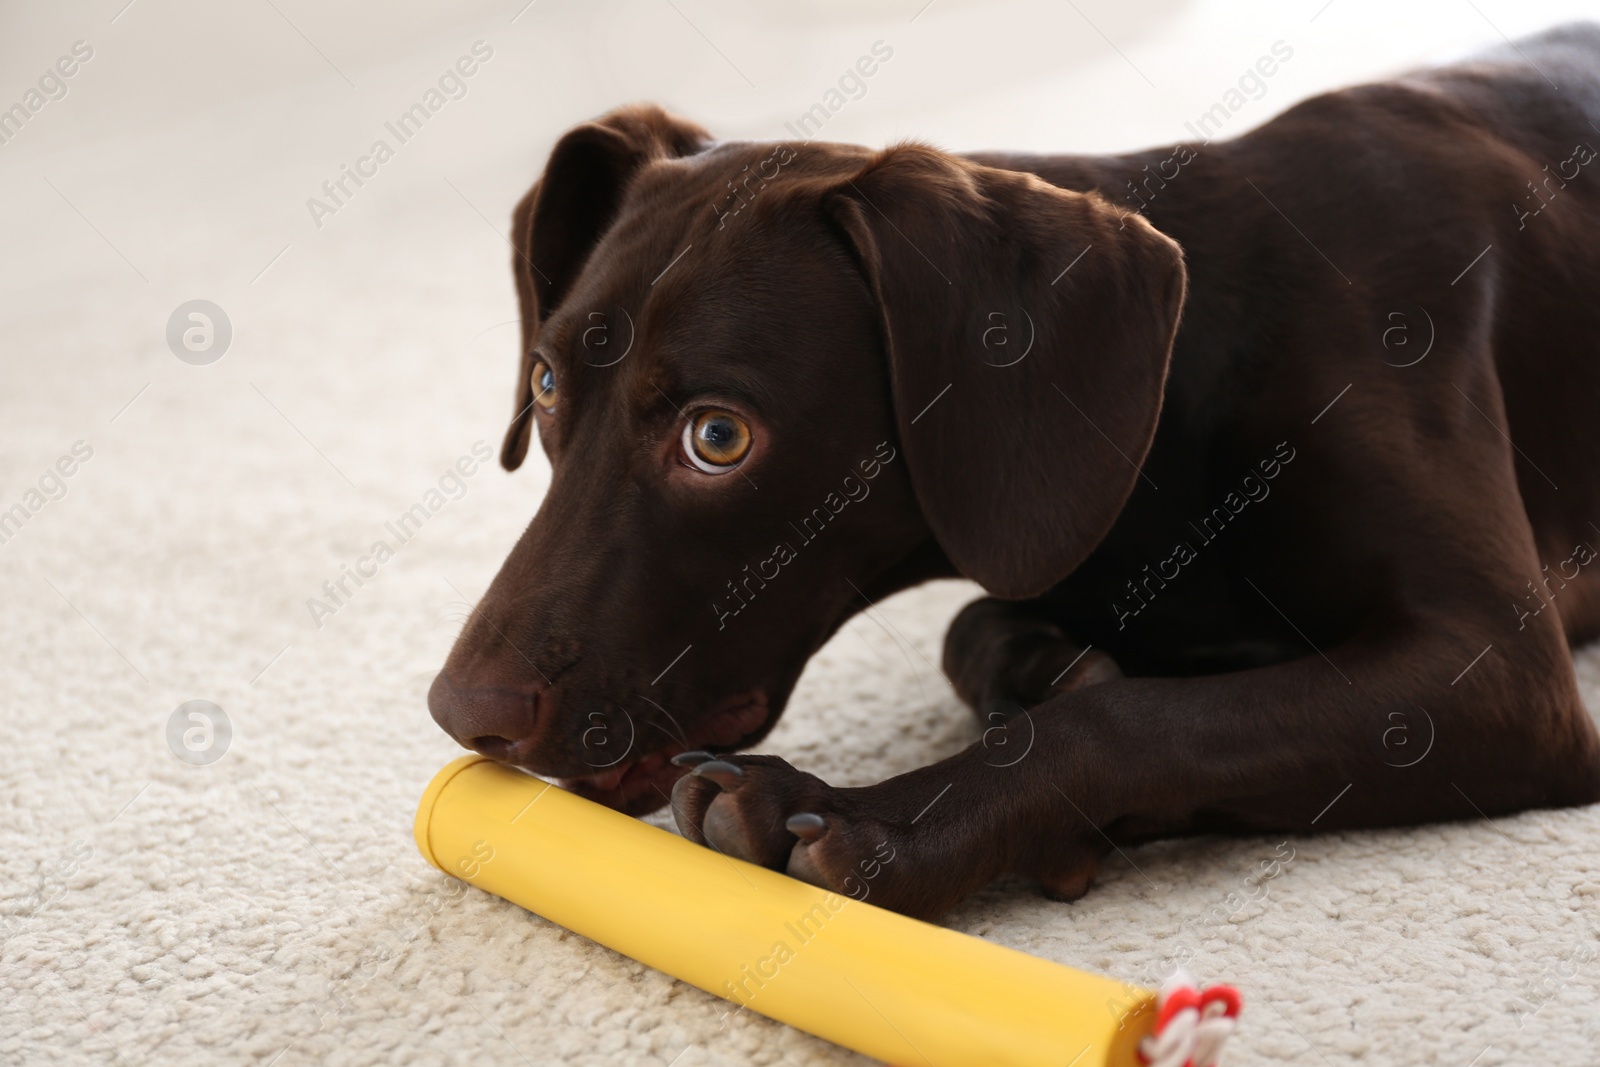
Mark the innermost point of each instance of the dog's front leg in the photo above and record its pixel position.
(1303, 746)
(1031, 801)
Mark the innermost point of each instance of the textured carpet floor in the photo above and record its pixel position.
(270, 907)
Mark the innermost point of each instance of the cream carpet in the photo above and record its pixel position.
(269, 907)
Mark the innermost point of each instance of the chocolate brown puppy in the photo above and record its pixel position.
(1278, 457)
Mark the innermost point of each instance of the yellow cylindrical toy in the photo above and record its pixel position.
(891, 987)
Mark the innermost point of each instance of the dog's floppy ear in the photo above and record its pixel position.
(559, 221)
(1028, 331)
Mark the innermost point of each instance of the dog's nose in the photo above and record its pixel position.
(490, 720)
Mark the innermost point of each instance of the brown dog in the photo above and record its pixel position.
(1335, 529)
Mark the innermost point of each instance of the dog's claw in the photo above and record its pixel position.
(807, 826)
(725, 774)
(691, 759)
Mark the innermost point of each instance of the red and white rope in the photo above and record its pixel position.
(1192, 1024)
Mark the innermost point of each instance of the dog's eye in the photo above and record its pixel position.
(715, 441)
(544, 386)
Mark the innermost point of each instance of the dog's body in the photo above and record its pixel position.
(1339, 540)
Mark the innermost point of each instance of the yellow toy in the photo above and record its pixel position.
(891, 987)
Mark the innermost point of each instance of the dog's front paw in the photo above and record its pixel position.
(1001, 657)
(761, 809)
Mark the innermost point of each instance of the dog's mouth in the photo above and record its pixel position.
(638, 785)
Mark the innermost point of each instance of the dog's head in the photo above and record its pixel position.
(776, 382)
